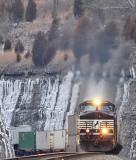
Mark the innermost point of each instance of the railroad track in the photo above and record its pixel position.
(57, 156)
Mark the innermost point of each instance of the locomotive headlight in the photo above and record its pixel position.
(97, 101)
(87, 130)
(104, 130)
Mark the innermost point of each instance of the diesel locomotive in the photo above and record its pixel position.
(97, 126)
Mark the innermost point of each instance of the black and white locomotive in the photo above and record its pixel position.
(97, 126)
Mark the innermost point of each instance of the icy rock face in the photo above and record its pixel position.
(41, 102)
(6, 149)
(127, 111)
(8, 92)
(133, 147)
(1, 48)
(126, 119)
(45, 102)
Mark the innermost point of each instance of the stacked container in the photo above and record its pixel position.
(27, 141)
(15, 132)
(43, 140)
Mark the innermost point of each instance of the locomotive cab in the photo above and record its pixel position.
(97, 126)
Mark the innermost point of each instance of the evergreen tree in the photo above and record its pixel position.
(31, 11)
(126, 29)
(49, 53)
(53, 41)
(1, 39)
(66, 40)
(39, 47)
(132, 28)
(7, 45)
(82, 36)
(2, 7)
(19, 48)
(54, 30)
(78, 8)
(18, 10)
(106, 40)
(110, 33)
(55, 7)
(65, 57)
(18, 57)
(129, 31)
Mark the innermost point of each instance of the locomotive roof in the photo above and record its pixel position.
(102, 103)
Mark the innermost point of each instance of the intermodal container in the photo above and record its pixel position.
(59, 140)
(27, 140)
(43, 140)
(15, 132)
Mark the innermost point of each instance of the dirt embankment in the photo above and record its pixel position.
(9, 66)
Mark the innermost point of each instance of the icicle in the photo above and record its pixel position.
(133, 73)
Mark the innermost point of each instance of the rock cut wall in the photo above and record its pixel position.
(42, 102)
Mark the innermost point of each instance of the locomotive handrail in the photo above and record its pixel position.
(80, 130)
(112, 130)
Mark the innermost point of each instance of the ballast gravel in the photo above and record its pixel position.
(100, 157)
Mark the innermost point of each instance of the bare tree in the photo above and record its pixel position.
(5, 19)
(55, 9)
(5, 24)
(56, 3)
(7, 2)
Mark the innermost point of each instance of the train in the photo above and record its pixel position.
(93, 129)
(28, 142)
(97, 126)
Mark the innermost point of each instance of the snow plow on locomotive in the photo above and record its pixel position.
(97, 126)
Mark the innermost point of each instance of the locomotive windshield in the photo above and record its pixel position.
(90, 107)
(105, 108)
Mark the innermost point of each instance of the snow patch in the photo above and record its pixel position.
(132, 72)
(133, 147)
(125, 96)
(132, 2)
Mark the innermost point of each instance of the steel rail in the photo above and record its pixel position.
(45, 155)
(73, 156)
(54, 156)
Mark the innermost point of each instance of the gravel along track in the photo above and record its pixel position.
(70, 156)
(99, 157)
(87, 156)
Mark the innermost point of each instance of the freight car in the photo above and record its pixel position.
(15, 134)
(97, 125)
(27, 142)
